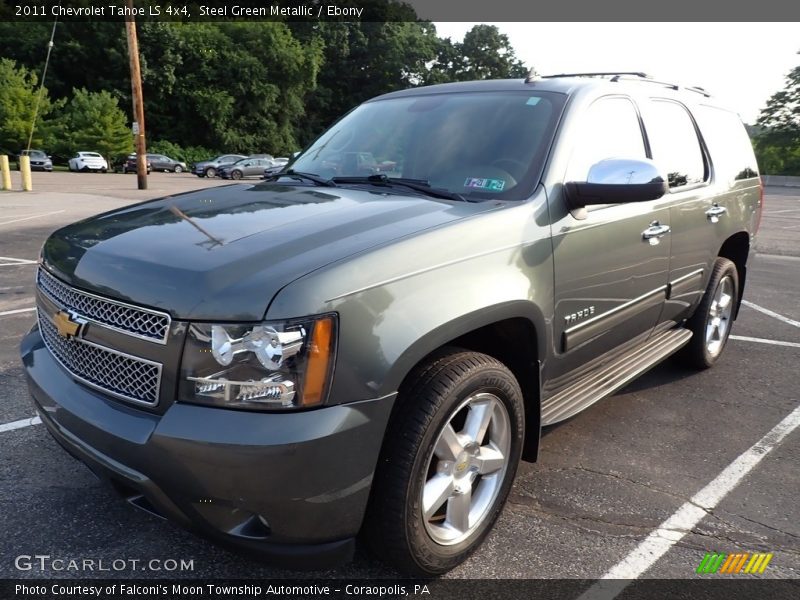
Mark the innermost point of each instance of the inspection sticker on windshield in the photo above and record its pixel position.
(482, 183)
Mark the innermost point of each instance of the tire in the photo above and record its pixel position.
(177, 169)
(447, 394)
(236, 174)
(211, 172)
(719, 303)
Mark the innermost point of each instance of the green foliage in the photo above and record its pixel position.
(19, 91)
(93, 121)
(485, 53)
(778, 142)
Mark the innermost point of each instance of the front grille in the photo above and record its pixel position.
(133, 320)
(119, 374)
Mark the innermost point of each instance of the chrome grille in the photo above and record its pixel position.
(119, 374)
(133, 320)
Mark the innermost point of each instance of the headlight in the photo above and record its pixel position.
(259, 366)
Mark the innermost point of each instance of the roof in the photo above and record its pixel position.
(564, 84)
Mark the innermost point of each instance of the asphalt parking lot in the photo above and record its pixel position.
(606, 479)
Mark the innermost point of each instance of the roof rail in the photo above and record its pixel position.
(622, 75)
(599, 74)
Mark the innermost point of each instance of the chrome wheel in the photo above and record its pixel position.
(719, 316)
(467, 469)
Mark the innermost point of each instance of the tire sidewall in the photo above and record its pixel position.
(727, 270)
(440, 558)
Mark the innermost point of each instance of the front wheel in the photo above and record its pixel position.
(236, 174)
(712, 321)
(211, 172)
(178, 169)
(447, 464)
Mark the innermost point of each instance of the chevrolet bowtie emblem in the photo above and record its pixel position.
(67, 325)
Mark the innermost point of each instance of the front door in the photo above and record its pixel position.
(610, 270)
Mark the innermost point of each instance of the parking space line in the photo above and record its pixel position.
(20, 424)
(20, 261)
(683, 521)
(17, 311)
(55, 212)
(745, 338)
(770, 313)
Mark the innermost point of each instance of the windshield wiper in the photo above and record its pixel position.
(419, 185)
(299, 175)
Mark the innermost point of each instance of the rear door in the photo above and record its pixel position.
(679, 152)
(610, 281)
(705, 217)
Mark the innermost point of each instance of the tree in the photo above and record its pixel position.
(485, 53)
(362, 60)
(93, 121)
(778, 143)
(19, 91)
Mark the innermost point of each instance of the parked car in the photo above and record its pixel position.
(209, 168)
(247, 167)
(371, 354)
(277, 164)
(131, 165)
(88, 161)
(159, 162)
(40, 161)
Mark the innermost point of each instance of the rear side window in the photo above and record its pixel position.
(728, 144)
(674, 143)
(609, 129)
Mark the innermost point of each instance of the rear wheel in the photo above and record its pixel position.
(447, 464)
(712, 321)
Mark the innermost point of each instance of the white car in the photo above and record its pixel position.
(88, 161)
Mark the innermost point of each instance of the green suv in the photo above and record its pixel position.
(365, 345)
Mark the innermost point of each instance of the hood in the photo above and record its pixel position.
(223, 253)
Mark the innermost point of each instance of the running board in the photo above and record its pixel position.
(596, 385)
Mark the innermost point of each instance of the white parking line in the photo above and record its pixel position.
(671, 531)
(770, 313)
(20, 424)
(17, 311)
(21, 261)
(55, 212)
(745, 338)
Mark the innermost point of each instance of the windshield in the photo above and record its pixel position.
(483, 144)
(90, 155)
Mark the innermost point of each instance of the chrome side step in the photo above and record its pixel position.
(596, 385)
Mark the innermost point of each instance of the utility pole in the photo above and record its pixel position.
(138, 101)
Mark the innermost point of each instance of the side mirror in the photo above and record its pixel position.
(616, 180)
(295, 154)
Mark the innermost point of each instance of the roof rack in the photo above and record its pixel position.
(621, 75)
(599, 74)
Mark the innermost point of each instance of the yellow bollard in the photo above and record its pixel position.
(5, 173)
(25, 171)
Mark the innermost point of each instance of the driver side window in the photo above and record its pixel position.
(609, 129)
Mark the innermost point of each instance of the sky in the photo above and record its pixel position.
(741, 64)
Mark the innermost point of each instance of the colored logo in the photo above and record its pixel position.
(743, 562)
(67, 325)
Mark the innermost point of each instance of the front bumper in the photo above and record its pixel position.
(291, 486)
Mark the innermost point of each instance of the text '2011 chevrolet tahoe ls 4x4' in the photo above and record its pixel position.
(368, 342)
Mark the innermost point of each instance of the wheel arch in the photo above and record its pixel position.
(737, 249)
(512, 333)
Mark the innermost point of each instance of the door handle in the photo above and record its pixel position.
(655, 231)
(715, 212)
